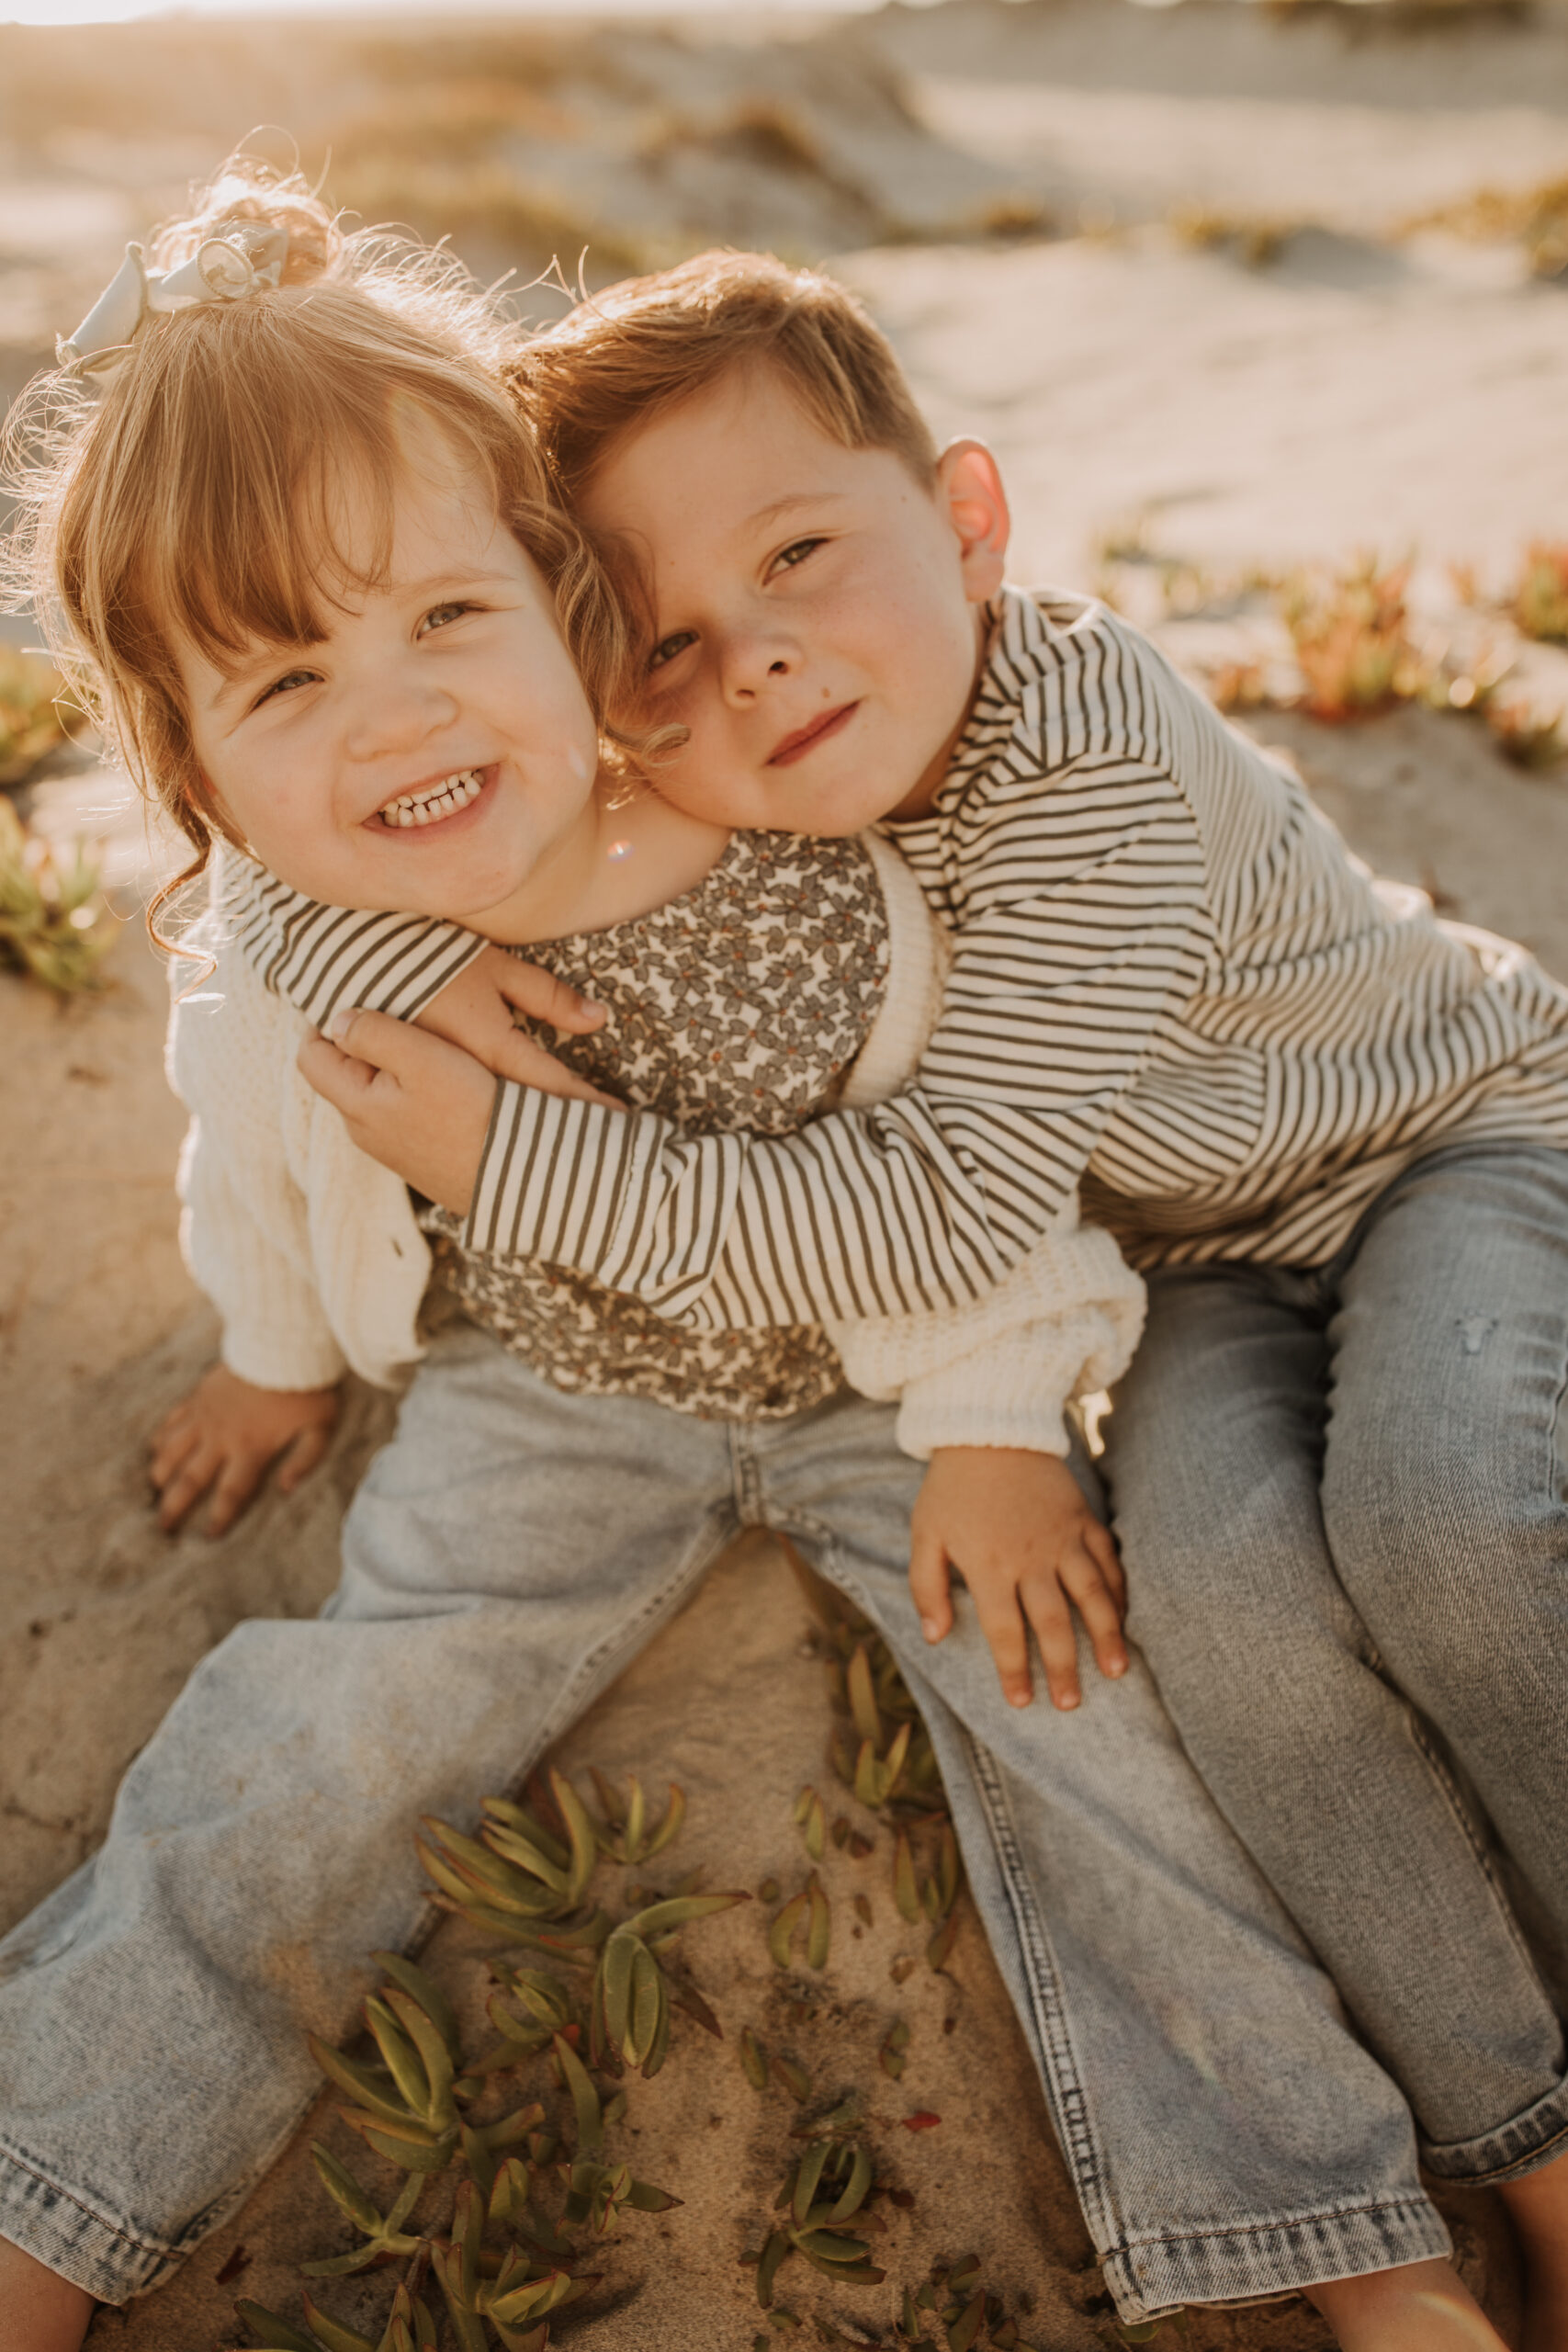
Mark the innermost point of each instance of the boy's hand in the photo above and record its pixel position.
(1027, 1544)
(475, 1012)
(419, 1106)
(225, 1435)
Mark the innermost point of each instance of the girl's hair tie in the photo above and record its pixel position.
(237, 258)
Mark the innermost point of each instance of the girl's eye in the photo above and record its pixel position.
(439, 615)
(787, 558)
(669, 647)
(291, 679)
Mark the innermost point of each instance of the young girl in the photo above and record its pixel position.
(304, 549)
(1331, 1127)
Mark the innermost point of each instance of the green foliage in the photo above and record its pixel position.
(527, 2196)
(37, 713)
(53, 919)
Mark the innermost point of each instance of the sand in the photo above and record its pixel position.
(1364, 390)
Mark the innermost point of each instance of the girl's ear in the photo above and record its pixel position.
(969, 489)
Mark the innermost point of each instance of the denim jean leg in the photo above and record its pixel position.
(509, 1551)
(1215, 1458)
(1226, 2133)
(1445, 1497)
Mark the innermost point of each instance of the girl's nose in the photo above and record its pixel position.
(395, 712)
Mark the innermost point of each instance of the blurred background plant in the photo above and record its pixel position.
(52, 915)
(35, 713)
(52, 912)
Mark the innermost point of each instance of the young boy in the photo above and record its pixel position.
(1332, 1128)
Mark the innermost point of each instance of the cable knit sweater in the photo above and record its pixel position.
(312, 1254)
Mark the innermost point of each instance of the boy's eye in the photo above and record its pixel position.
(669, 647)
(439, 615)
(787, 558)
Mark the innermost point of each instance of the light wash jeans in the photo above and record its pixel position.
(506, 1555)
(1342, 1502)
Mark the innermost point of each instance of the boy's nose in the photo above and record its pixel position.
(750, 661)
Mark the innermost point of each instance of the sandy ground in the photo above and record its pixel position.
(1362, 390)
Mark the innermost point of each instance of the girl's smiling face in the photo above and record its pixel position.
(434, 752)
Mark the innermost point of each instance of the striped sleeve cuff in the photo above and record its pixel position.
(323, 959)
(553, 1177)
(620, 1195)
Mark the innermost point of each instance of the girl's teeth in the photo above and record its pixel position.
(416, 809)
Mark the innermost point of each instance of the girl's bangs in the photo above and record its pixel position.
(292, 516)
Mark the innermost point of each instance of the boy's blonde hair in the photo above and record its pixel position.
(191, 498)
(622, 357)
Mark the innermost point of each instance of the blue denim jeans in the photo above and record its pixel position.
(507, 1555)
(1342, 1502)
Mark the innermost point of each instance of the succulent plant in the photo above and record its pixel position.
(51, 912)
(823, 2192)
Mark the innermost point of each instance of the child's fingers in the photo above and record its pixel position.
(300, 1457)
(1083, 1577)
(239, 1476)
(174, 1424)
(1005, 1630)
(376, 1038)
(543, 996)
(187, 1486)
(524, 1059)
(1101, 1546)
(1047, 1612)
(340, 1078)
(172, 1441)
(928, 1584)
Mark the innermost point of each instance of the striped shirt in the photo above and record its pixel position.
(1171, 986)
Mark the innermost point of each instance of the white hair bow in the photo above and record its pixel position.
(240, 258)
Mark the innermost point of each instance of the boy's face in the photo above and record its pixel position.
(816, 619)
(434, 752)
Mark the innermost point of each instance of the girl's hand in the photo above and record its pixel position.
(1027, 1545)
(226, 1434)
(475, 1012)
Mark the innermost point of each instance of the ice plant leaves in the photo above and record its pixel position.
(822, 2192)
(507, 2265)
(631, 1994)
(781, 1935)
(811, 1820)
(383, 2232)
(410, 2328)
(891, 2054)
(755, 2058)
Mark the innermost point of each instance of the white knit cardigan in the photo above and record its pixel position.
(311, 1254)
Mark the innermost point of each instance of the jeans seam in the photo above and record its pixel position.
(1312, 2220)
(1067, 2098)
(160, 2250)
(1070, 2100)
(1556, 1470)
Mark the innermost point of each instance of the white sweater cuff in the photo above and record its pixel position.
(1014, 1392)
(282, 1359)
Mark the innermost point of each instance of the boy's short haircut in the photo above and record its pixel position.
(623, 356)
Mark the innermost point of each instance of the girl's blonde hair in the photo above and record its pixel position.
(189, 497)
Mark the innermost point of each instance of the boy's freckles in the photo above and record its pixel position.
(816, 611)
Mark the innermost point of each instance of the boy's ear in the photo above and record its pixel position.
(969, 488)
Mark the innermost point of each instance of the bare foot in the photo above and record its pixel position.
(39, 2311)
(1419, 2307)
(1538, 2206)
